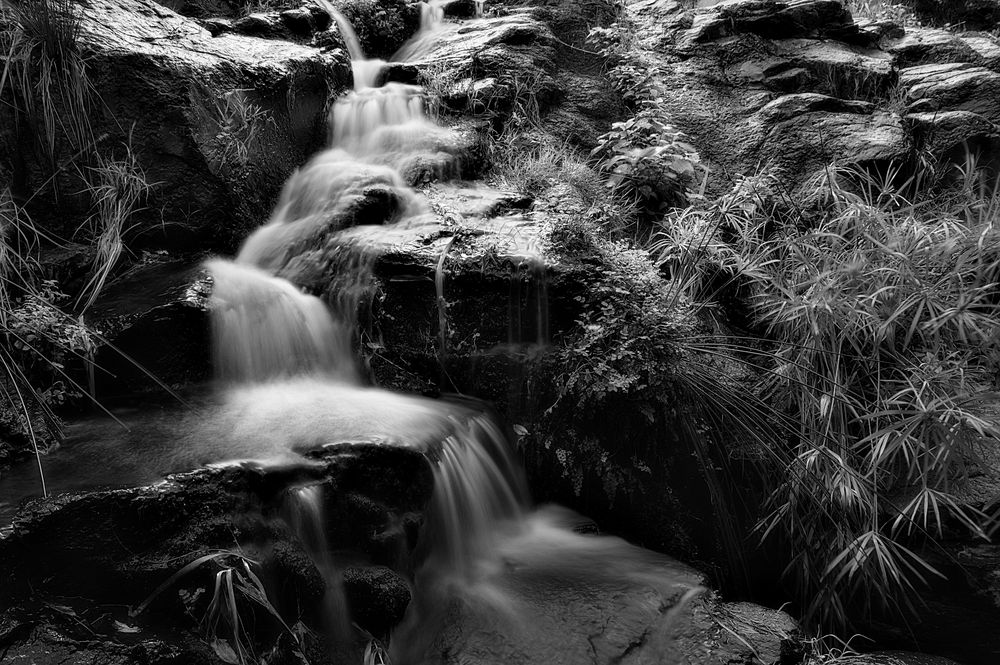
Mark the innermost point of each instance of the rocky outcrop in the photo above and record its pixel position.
(953, 87)
(752, 71)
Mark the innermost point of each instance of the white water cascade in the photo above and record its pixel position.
(290, 357)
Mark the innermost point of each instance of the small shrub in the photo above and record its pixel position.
(234, 126)
(648, 157)
(644, 157)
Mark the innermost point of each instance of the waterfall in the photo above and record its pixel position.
(431, 22)
(288, 356)
(365, 70)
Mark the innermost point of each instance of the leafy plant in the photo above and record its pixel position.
(223, 623)
(645, 156)
(648, 156)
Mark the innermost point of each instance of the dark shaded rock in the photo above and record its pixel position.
(869, 32)
(966, 14)
(294, 576)
(202, 8)
(770, 19)
(218, 26)
(382, 26)
(299, 21)
(270, 25)
(943, 131)
(377, 596)
(154, 317)
(459, 8)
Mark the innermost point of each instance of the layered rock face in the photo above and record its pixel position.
(787, 87)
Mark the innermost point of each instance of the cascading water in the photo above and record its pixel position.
(293, 356)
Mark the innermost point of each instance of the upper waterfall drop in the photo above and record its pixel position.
(365, 70)
(431, 22)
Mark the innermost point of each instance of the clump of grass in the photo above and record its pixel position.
(46, 76)
(118, 190)
(532, 169)
(882, 10)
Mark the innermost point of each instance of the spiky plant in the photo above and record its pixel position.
(880, 321)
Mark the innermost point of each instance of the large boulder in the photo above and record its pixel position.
(953, 87)
(215, 124)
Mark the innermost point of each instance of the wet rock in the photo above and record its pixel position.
(119, 545)
(377, 596)
(953, 87)
(639, 608)
(154, 318)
